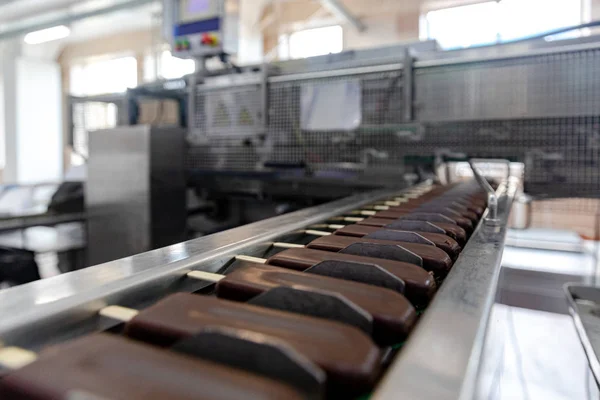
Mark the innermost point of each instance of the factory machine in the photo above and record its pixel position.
(381, 294)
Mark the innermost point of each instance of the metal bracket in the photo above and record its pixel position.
(492, 202)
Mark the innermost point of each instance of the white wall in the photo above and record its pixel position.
(10, 50)
(2, 125)
(594, 7)
(250, 47)
(38, 147)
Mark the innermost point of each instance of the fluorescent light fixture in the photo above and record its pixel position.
(47, 35)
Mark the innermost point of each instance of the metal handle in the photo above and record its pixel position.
(492, 200)
(494, 161)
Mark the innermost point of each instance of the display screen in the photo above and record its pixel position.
(198, 6)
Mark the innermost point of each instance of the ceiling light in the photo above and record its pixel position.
(47, 35)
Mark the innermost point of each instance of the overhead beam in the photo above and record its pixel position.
(341, 11)
(69, 18)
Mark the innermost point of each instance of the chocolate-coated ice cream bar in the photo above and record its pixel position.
(393, 316)
(346, 354)
(443, 241)
(419, 284)
(434, 259)
(454, 231)
(103, 366)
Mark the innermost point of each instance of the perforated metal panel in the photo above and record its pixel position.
(228, 112)
(284, 140)
(381, 112)
(554, 85)
(542, 110)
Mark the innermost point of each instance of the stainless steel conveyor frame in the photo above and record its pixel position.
(440, 360)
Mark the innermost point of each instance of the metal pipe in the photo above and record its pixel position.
(336, 73)
(529, 53)
(340, 10)
(492, 202)
(70, 18)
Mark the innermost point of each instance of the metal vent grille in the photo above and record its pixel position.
(542, 110)
(224, 154)
(228, 112)
(553, 85)
(284, 140)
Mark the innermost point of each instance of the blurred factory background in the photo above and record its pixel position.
(71, 68)
(131, 126)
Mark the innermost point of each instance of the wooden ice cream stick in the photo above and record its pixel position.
(327, 226)
(282, 245)
(119, 313)
(348, 219)
(16, 357)
(317, 233)
(251, 259)
(367, 213)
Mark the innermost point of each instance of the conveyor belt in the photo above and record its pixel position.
(315, 304)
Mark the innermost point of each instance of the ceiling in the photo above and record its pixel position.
(27, 15)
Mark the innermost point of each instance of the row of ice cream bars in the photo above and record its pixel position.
(336, 306)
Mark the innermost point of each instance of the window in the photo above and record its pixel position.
(518, 22)
(464, 26)
(496, 22)
(314, 42)
(103, 76)
(173, 67)
(169, 67)
(94, 77)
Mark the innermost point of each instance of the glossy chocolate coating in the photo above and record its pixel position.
(454, 231)
(450, 211)
(463, 222)
(471, 195)
(104, 366)
(444, 242)
(420, 285)
(459, 204)
(393, 316)
(345, 353)
(434, 259)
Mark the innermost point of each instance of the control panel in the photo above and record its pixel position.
(198, 27)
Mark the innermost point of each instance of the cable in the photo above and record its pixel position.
(224, 57)
(542, 35)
